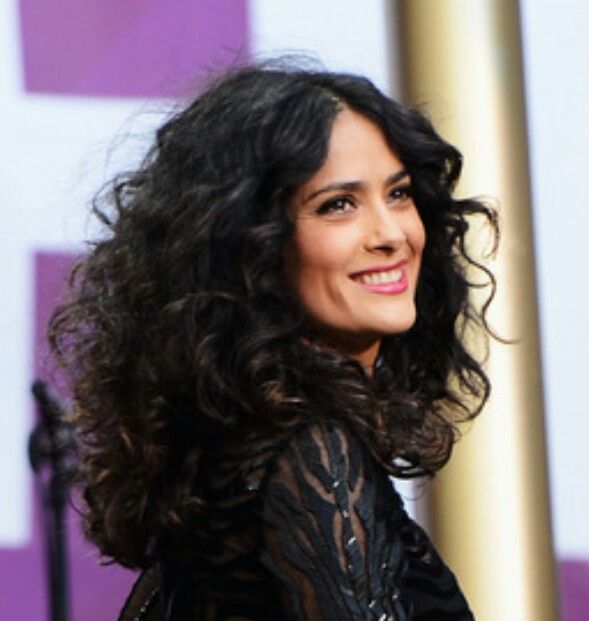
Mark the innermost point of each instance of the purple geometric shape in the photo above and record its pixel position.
(128, 48)
(574, 589)
(96, 592)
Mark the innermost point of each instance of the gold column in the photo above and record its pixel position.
(490, 508)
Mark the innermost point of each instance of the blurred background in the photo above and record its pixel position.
(83, 85)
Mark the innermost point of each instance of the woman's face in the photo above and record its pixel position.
(356, 252)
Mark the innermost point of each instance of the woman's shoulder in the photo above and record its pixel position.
(327, 452)
(326, 440)
(323, 446)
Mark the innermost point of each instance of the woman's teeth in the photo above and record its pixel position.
(381, 278)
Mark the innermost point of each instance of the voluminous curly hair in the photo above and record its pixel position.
(179, 328)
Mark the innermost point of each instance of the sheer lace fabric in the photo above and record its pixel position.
(313, 531)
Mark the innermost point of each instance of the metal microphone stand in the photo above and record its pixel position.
(51, 455)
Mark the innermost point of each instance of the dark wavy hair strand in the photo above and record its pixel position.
(179, 331)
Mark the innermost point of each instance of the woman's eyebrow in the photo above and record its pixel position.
(354, 185)
(396, 177)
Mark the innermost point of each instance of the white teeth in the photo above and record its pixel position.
(381, 278)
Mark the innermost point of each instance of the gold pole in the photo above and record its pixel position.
(489, 508)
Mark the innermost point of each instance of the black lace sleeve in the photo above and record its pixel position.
(327, 517)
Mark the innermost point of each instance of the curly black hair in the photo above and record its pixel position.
(177, 330)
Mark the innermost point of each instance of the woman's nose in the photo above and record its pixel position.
(384, 228)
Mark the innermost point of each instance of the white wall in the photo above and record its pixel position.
(556, 53)
(347, 35)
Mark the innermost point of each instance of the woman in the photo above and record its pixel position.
(270, 329)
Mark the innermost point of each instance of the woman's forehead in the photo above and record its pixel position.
(358, 152)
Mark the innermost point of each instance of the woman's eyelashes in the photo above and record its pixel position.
(338, 204)
(346, 203)
(401, 192)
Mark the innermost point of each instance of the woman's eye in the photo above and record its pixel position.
(341, 204)
(401, 193)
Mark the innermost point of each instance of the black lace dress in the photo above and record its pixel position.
(315, 532)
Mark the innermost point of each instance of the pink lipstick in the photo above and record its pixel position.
(388, 280)
(387, 288)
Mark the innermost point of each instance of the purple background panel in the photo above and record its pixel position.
(128, 48)
(96, 592)
(574, 589)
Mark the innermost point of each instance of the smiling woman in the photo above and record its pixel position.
(356, 250)
(270, 327)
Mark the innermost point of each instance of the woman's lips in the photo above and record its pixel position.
(389, 280)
